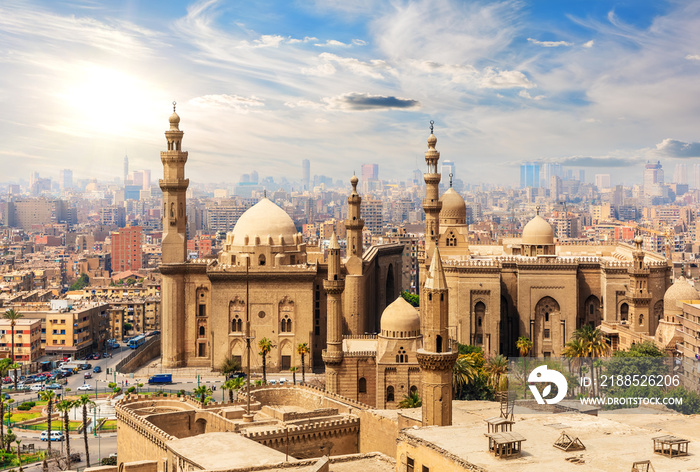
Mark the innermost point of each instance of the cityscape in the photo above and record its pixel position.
(312, 238)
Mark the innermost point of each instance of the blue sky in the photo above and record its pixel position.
(262, 85)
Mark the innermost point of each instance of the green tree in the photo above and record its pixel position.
(84, 402)
(4, 367)
(19, 457)
(302, 350)
(230, 365)
(3, 406)
(81, 283)
(48, 396)
(65, 406)
(265, 346)
(412, 298)
(228, 385)
(128, 326)
(594, 341)
(13, 316)
(412, 400)
(497, 368)
(464, 372)
(202, 392)
(9, 439)
(524, 345)
(294, 370)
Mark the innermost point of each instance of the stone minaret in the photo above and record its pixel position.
(436, 358)
(432, 204)
(638, 291)
(174, 245)
(354, 223)
(334, 285)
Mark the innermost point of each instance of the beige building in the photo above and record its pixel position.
(27, 338)
(263, 276)
(532, 286)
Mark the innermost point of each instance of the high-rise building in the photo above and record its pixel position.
(653, 177)
(549, 170)
(696, 175)
(602, 181)
(529, 174)
(65, 179)
(126, 168)
(306, 173)
(448, 167)
(680, 175)
(127, 253)
(370, 171)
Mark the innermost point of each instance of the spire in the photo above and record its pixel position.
(353, 182)
(451, 179)
(334, 242)
(435, 279)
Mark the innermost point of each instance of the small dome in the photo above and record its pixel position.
(354, 180)
(680, 290)
(264, 218)
(453, 207)
(174, 119)
(400, 320)
(538, 232)
(432, 140)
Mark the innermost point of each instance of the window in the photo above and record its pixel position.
(202, 310)
(425, 469)
(546, 316)
(362, 385)
(390, 394)
(201, 331)
(261, 260)
(409, 464)
(237, 325)
(546, 333)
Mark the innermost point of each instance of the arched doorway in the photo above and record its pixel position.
(591, 313)
(547, 315)
(479, 321)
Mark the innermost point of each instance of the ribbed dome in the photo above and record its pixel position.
(680, 290)
(453, 207)
(400, 320)
(538, 232)
(174, 119)
(262, 219)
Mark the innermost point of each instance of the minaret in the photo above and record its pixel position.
(638, 292)
(431, 204)
(174, 245)
(354, 223)
(436, 358)
(334, 286)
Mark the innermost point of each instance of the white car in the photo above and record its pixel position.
(85, 387)
(37, 388)
(55, 436)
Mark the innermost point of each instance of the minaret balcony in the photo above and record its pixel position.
(332, 357)
(334, 286)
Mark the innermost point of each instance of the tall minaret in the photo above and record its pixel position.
(354, 223)
(638, 291)
(432, 204)
(436, 358)
(174, 245)
(334, 286)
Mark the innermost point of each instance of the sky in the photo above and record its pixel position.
(261, 85)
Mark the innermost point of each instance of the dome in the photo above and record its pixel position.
(400, 320)
(680, 290)
(262, 219)
(174, 119)
(453, 206)
(538, 232)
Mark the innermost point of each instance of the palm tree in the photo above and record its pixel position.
(229, 385)
(19, 457)
(294, 370)
(14, 367)
(302, 350)
(575, 349)
(84, 401)
(202, 392)
(3, 405)
(464, 372)
(524, 345)
(48, 396)
(496, 367)
(65, 406)
(13, 316)
(265, 346)
(229, 365)
(412, 400)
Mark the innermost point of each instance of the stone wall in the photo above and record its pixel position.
(427, 456)
(138, 438)
(140, 356)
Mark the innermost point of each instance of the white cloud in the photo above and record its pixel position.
(588, 44)
(550, 44)
(504, 79)
(321, 70)
(359, 42)
(235, 102)
(526, 94)
(332, 43)
(693, 57)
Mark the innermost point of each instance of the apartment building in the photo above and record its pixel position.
(27, 337)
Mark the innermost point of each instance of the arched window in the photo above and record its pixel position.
(286, 325)
(438, 343)
(390, 394)
(201, 331)
(641, 320)
(624, 311)
(362, 385)
(237, 325)
(261, 260)
(414, 389)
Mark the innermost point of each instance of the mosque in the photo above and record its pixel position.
(375, 347)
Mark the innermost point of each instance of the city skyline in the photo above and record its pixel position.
(600, 87)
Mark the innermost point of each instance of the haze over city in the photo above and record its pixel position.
(601, 86)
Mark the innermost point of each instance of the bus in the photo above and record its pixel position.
(137, 341)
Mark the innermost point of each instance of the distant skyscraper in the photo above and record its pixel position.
(65, 178)
(370, 171)
(581, 175)
(602, 181)
(696, 174)
(550, 170)
(126, 168)
(529, 174)
(680, 175)
(448, 167)
(653, 177)
(306, 173)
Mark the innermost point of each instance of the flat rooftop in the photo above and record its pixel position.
(613, 440)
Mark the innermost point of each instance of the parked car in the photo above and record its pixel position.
(86, 367)
(95, 356)
(54, 386)
(85, 387)
(87, 375)
(37, 388)
(55, 436)
(97, 369)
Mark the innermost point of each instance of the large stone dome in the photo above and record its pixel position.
(680, 290)
(453, 208)
(400, 320)
(538, 232)
(264, 219)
